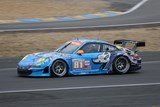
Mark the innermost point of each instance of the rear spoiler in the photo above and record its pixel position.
(124, 42)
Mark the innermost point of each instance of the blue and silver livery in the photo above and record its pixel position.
(82, 57)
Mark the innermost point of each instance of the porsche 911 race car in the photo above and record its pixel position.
(83, 57)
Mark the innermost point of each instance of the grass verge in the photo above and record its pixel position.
(20, 44)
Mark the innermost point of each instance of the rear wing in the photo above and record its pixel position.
(124, 42)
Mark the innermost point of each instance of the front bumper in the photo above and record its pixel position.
(24, 72)
(33, 72)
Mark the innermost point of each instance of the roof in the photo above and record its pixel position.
(89, 40)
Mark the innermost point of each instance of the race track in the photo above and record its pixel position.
(140, 89)
(135, 89)
(148, 13)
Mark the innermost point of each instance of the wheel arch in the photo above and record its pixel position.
(123, 56)
(61, 60)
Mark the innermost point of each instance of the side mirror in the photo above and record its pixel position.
(80, 52)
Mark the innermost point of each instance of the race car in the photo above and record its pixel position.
(83, 57)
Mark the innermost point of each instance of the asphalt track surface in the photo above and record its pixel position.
(141, 89)
(148, 13)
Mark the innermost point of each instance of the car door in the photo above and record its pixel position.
(83, 63)
(109, 55)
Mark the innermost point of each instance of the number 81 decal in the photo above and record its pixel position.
(80, 64)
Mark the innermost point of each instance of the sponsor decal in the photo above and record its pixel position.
(102, 58)
(81, 64)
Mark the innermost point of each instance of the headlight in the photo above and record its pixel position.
(41, 60)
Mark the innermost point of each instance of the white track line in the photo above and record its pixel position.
(84, 27)
(146, 62)
(77, 88)
(150, 62)
(85, 87)
(135, 7)
(4, 69)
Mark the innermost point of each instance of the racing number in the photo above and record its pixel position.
(78, 64)
(81, 64)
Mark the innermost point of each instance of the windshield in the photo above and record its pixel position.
(69, 47)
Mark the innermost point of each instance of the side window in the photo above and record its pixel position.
(108, 48)
(91, 48)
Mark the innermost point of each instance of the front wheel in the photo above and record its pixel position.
(59, 68)
(121, 65)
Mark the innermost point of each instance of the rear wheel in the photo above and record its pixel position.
(59, 68)
(121, 65)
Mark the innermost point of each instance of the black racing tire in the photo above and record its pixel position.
(59, 68)
(121, 65)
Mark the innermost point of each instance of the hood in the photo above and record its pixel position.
(43, 54)
(51, 55)
(35, 58)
